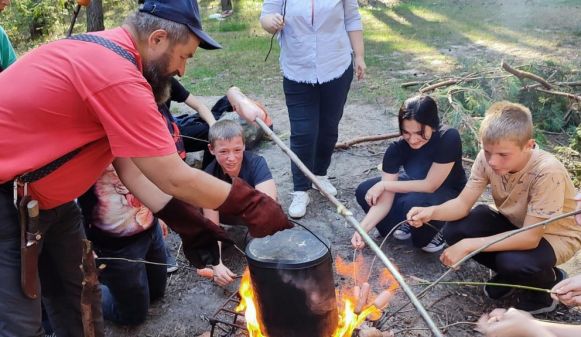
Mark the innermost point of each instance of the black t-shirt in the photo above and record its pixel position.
(254, 170)
(178, 93)
(443, 147)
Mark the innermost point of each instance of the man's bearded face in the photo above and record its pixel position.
(157, 75)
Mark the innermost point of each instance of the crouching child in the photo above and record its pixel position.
(528, 185)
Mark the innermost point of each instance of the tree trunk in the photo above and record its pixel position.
(95, 16)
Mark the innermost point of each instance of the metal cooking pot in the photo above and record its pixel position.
(293, 283)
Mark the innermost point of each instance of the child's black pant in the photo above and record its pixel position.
(532, 267)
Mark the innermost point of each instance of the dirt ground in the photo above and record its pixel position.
(190, 299)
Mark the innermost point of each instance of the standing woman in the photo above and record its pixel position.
(321, 46)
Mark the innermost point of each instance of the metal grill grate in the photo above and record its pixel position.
(224, 320)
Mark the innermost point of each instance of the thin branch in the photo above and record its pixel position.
(411, 84)
(560, 93)
(364, 139)
(439, 85)
(525, 74)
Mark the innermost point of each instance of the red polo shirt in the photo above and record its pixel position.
(66, 94)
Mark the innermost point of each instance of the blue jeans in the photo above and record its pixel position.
(129, 287)
(59, 273)
(402, 203)
(315, 111)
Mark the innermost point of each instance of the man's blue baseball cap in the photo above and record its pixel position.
(181, 11)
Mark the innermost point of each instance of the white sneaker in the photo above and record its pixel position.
(298, 206)
(326, 185)
(403, 232)
(436, 245)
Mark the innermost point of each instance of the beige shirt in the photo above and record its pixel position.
(543, 189)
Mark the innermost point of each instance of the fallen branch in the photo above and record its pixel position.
(560, 93)
(411, 84)
(525, 74)
(91, 313)
(364, 139)
(439, 85)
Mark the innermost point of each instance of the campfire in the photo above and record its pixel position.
(356, 303)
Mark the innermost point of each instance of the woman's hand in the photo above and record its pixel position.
(568, 291)
(374, 193)
(360, 67)
(418, 216)
(222, 275)
(272, 23)
(511, 323)
(357, 241)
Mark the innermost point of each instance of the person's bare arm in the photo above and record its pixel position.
(356, 39)
(143, 189)
(269, 188)
(379, 209)
(451, 210)
(244, 106)
(201, 108)
(562, 330)
(434, 179)
(176, 178)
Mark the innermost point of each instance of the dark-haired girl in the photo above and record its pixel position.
(423, 167)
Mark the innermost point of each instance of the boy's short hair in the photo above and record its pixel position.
(507, 121)
(225, 129)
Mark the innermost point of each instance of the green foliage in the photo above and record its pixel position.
(464, 105)
(27, 21)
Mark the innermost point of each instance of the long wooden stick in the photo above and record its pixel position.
(348, 215)
(365, 139)
(91, 313)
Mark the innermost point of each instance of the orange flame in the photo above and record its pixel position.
(386, 279)
(358, 268)
(348, 319)
(247, 305)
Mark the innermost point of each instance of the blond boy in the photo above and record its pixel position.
(528, 185)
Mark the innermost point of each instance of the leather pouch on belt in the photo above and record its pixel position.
(29, 247)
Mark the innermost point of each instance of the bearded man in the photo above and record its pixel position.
(67, 110)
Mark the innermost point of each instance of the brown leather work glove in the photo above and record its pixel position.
(262, 215)
(199, 235)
